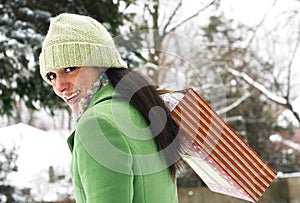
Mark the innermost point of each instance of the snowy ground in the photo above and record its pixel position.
(37, 151)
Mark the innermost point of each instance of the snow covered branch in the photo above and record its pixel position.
(277, 138)
(192, 16)
(277, 99)
(234, 104)
(258, 86)
(172, 16)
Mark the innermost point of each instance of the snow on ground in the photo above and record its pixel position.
(37, 151)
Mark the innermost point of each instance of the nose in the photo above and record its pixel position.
(60, 84)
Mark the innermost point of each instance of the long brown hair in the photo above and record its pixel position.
(143, 96)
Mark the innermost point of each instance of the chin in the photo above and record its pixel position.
(75, 108)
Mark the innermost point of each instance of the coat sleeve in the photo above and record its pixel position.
(104, 161)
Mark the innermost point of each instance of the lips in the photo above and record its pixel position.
(71, 98)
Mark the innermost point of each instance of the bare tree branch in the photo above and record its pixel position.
(234, 118)
(290, 64)
(172, 16)
(191, 17)
(234, 104)
(255, 29)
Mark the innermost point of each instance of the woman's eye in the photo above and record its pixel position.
(51, 76)
(69, 69)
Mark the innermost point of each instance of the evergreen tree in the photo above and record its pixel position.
(23, 25)
(7, 165)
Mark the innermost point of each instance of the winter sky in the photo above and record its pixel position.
(251, 13)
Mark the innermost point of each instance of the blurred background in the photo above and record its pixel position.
(243, 57)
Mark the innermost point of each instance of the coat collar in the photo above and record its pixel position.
(105, 93)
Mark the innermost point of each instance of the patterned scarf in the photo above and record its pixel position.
(84, 102)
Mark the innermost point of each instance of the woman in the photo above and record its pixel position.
(125, 147)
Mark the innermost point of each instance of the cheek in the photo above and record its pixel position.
(55, 91)
(87, 82)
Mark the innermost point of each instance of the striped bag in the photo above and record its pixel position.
(222, 159)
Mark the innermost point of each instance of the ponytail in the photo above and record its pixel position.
(143, 96)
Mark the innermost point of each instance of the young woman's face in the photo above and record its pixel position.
(72, 83)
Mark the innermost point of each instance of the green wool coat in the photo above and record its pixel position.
(114, 158)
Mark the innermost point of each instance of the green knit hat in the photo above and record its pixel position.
(76, 41)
